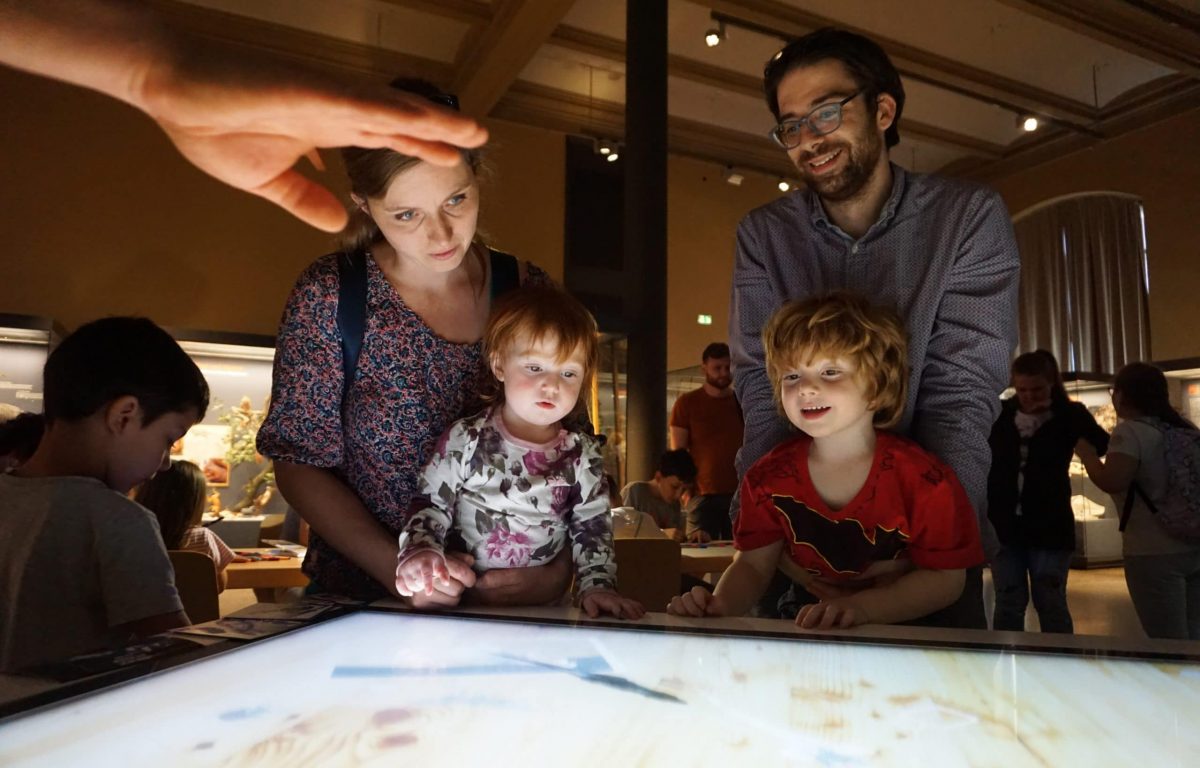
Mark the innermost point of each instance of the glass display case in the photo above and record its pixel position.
(1183, 381)
(1097, 519)
(237, 368)
(609, 406)
(25, 341)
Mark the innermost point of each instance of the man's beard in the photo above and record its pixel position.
(720, 382)
(861, 159)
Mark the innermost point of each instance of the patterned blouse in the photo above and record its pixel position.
(515, 503)
(409, 386)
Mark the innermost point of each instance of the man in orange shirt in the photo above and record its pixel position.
(708, 422)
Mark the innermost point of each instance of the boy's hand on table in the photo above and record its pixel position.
(838, 613)
(697, 603)
(699, 537)
(597, 601)
(674, 534)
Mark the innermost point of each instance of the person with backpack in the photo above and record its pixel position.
(1153, 470)
(378, 353)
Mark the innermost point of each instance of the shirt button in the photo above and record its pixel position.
(854, 249)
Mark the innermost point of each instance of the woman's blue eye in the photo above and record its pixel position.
(406, 215)
(456, 200)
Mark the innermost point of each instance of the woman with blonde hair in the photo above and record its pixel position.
(378, 353)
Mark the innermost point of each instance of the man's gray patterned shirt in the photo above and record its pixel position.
(943, 255)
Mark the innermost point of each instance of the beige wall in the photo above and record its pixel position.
(99, 215)
(1160, 164)
(703, 212)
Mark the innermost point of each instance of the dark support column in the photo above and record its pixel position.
(645, 160)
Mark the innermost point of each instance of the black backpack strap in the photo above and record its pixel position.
(352, 311)
(506, 273)
(1127, 508)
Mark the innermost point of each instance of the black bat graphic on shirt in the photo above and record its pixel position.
(844, 544)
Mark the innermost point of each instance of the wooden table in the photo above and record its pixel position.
(266, 574)
(701, 560)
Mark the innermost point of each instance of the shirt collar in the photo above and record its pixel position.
(817, 215)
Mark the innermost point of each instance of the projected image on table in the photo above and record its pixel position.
(378, 689)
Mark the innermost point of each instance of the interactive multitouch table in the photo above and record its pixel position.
(386, 688)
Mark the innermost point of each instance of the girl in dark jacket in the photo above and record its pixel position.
(1029, 493)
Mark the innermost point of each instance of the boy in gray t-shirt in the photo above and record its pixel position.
(81, 566)
(659, 497)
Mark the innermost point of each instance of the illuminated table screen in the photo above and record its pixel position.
(391, 689)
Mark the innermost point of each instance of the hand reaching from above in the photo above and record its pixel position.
(248, 122)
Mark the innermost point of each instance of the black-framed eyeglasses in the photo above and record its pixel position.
(824, 119)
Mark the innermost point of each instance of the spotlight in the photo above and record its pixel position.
(732, 177)
(1028, 122)
(608, 149)
(784, 185)
(713, 37)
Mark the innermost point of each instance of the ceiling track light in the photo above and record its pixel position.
(608, 149)
(784, 185)
(1028, 123)
(715, 35)
(732, 177)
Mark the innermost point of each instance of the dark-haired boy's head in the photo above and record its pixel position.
(116, 357)
(678, 463)
(676, 471)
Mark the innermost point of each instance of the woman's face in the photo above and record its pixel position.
(428, 214)
(1033, 393)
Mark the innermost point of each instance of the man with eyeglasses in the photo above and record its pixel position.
(939, 251)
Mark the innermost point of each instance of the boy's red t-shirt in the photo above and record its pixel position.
(911, 505)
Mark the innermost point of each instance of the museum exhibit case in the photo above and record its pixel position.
(25, 342)
(1183, 380)
(237, 368)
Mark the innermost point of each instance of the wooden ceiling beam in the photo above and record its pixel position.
(918, 64)
(1057, 143)
(600, 46)
(308, 48)
(514, 36)
(470, 11)
(1148, 32)
(568, 112)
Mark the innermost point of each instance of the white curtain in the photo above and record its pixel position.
(1084, 287)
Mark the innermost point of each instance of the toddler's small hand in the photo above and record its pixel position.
(421, 572)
